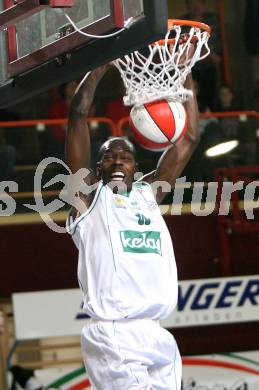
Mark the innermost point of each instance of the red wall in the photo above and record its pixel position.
(35, 258)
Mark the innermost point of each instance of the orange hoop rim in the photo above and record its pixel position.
(191, 23)
(183, 22)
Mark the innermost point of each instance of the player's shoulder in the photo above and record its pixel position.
(80, 213)
(144, 188)
(141, 184)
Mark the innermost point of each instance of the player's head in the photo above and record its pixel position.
(116, 161)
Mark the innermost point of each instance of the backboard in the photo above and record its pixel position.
(40, 48)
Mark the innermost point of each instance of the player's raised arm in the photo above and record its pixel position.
(174, 159)
(78, 148)
(78, 145)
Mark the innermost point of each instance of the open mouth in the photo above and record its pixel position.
(117, 176)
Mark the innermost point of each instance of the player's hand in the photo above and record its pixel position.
(187, 53)
(91, 79)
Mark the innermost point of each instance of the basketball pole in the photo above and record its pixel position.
(225, 54)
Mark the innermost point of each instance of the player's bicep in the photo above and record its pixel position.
(77, 150)
(81, 191)
(170, 167)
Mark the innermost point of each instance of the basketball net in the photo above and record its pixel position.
(159, 70)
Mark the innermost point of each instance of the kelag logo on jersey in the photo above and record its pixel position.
(141, 242)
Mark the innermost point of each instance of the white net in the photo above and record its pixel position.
(160, 70)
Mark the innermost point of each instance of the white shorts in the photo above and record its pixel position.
(133, 354)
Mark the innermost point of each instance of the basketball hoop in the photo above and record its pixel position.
(159, 70)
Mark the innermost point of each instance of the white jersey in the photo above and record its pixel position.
(126, 265)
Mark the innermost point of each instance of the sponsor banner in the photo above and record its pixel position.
(64, 378)
(233, 371)
(216, 301)
(38, 315)
(200, 302)
(236, 371)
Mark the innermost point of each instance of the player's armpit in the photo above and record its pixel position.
(81, 191)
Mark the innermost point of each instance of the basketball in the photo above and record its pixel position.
(158, 124)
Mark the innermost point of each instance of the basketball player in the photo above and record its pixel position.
(126, 266)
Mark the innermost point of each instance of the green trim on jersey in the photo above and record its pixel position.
(109, 232)
(72, 230)
(141, 184)
(136, 184)
(88, 211)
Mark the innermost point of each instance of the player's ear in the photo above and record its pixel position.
(98, 170)
(136, 170)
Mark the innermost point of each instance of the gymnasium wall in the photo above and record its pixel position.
(238, 56)
(36, 258)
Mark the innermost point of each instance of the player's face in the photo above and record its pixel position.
(117, 165)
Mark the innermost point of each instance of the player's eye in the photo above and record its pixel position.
(127, 157)
(107, 157)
